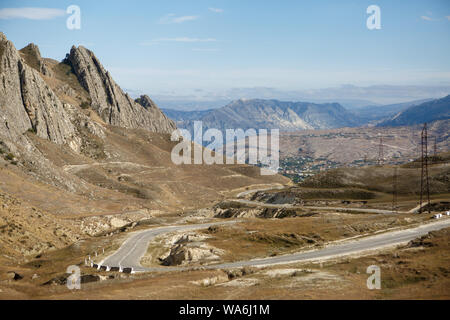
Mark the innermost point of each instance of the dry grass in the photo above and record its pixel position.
(420, 271)
(266, 237)
(406, 273)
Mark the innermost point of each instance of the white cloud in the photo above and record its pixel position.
(448, 18)
(426, 18)
(172, 18)
(178, 39)
(31, 13)
(216, 10)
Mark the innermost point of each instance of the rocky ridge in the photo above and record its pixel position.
(113, 105)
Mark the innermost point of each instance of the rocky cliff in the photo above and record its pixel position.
(27, 102)
(107, 98)
(58, 102)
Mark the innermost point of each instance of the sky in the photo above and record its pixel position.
(203, 47)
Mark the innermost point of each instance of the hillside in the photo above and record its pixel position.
(370, 114)
(379, 178)
(430, 111)
(76, 150)
(326, 149)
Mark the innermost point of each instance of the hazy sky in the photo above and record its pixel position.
(170, 47)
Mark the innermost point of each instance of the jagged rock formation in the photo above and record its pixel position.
(33, 58)
(146, 102)
(107, 98)
(27, 102)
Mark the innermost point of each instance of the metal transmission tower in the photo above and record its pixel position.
(380, 152)
(435, 146)
(424, 182)
(435, 160)
(394, 191)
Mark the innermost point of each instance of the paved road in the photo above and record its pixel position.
(288, 205)
(133, 249)
(346, 248)
(273, 187)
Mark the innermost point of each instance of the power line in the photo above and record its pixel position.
(435, 147)
(380, 152)
(424, 181)
(394, 191)
(435, 158)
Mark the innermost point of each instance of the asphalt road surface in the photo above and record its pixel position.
(132, 250)
(288, 205)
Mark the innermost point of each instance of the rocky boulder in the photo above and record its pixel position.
(191, 252)
(14, 276)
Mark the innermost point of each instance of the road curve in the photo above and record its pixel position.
(133, 249)
(131, 252)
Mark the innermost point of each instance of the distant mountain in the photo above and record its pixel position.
(268, 114)
(430, 111)
(376, 112)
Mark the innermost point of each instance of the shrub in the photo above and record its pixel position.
(84, 105)
(9, 157)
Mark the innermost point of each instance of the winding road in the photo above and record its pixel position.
(133, 249)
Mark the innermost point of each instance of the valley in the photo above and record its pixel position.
(87, 179)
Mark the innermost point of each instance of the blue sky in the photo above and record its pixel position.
(180, 47)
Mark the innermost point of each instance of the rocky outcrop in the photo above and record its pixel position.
(47, 114)
(27, 102)
(13, 117)
(32, 57)
(189, 248)
(146, 102)
(109, 101)
(191, 252)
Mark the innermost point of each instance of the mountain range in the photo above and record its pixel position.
(293, 116)
(267, 114)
